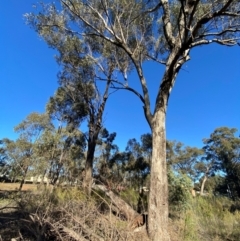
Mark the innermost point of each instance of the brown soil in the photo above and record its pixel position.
(15, 186)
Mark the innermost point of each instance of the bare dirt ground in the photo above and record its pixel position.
(15, 186)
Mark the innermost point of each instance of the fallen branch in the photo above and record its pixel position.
(71, 233)
(7, 207)
(125, 209)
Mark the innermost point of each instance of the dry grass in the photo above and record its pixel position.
(68, 214)
(15, 186)
(64, 214)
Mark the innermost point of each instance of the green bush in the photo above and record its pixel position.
(179, 191)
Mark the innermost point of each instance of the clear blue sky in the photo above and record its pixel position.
(206, 94)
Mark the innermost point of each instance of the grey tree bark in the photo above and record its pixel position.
(158, 195)
(203, 185)
(87, 183)
(95, 125)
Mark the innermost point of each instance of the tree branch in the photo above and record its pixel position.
(125, 87)
(131, 90)
(167, 24)
(218, 33)
(226, 42)
(155, 59)
(192, 13)
(207, 17)
(147, 110)
(97, 32)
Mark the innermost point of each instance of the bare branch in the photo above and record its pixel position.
(131, 90)
(208, 17)
(97, 31)
(192, 13)
(218, 33)
(147, 110)
(151, 10)
(167, 24)
(156, 59)
(124, 87)
(103, 21)
(226, 42)
(231, 14)
(225, 7)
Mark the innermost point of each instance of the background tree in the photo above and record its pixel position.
(19, 155)
(4, 168)
(107, 167)
(21, 152)
(61, 154)
(79, 97)
(206, 169)
(183, 159)
(161, 31)
(222, 152)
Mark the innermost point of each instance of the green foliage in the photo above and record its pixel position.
(131, 196)
(66, 107)
(183, 159)
(180, 186)
(215, 219)
(206, 218)
(222, 152)
(214, 185)
(190, 231)
(33, 126)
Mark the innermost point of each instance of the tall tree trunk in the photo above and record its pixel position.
(158, 196)
(95, 125)
(55, 178)
(23, 179)
(87, 183)
(203, 185)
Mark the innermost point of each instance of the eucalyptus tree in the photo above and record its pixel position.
(19, 155)
(205, 169)
(79, 99)
(222, 153)
(185, 158)
(30, 131)
(2, 152)
(33, 126)
(60, 152)
(161, 31)
(3, 161)
(84, 79)
(146, 145)
(138, 164)
(109, 168)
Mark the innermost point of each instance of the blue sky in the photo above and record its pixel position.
(206, 94)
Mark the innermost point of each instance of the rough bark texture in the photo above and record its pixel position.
(95, 125)
(203, 185)
(158, 196)
(87, 184)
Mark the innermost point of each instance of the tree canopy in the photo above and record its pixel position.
(119, 36)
